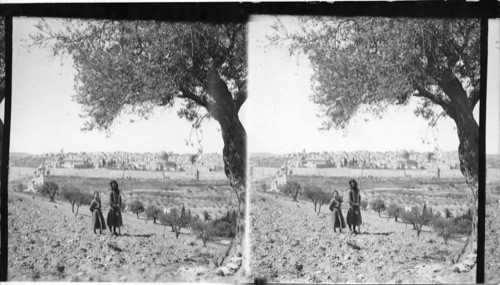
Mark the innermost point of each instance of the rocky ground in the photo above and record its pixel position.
(492, 240)
(48, 243)
(290, 243)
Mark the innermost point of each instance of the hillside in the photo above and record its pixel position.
(48, 243)
(290, 243)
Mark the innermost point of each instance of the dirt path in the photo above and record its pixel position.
(290, 243)
(48, 243)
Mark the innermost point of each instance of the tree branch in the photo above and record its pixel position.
(241, 96)
(422, 92)
(186, 94)
(474, 97)
(2, 89)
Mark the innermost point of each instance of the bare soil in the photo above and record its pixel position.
(47, 242)
(291, 243)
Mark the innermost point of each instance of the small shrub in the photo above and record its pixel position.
(152, 212)
(314, 193)
(204, 231)
(394, 210)
(225, 226)
(445, 228)
(206, 216)
(416, 218)
(48, 188)
(364, 205)
(291, 187)
(71, 193)
(136, 207)
(173, 219)
(378, 205)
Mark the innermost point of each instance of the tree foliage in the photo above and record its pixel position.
(417, 218)
(314, 193)
(83, 198)
(152, 212)
(133, 66)
(136, 207)
(71, 193)
(394, 210)
(378, 205)
(204, 231)
(366, 64)
(49, 188)
(174, 220)
(293, 188)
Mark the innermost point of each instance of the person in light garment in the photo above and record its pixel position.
(354, 211)
(114, 218)
(337, 217)
(98, 222)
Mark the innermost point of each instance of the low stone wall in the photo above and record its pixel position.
(261, 173)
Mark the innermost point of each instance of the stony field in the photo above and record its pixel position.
(47, 242)
(298, 245)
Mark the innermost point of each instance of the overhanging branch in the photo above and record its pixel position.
(422, 92)
(191, 96)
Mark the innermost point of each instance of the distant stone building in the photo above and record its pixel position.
(281, 177)
(38, 179)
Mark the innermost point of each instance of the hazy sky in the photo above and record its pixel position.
(280, 90)
(279, 114)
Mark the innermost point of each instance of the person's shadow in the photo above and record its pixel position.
(138, 235)
(376, 234)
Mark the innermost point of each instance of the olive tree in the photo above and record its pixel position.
(367, 64)
(134, 67)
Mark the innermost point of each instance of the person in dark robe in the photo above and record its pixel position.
(97, 216)
(354, 211)
(337, 217)
(115, 213)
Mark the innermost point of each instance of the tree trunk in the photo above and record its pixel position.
(72, 207)
(314, 207)
(137, 213)
(77, 208)
(460, 111)
(225, 111)
(379, 215)
(319, 210)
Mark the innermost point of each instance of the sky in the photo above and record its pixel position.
(45, 119)
(279, 116)
(288, 121)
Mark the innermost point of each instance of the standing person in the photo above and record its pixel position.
(97, 216)
(354, 212)
(337, 217)
(115, 213)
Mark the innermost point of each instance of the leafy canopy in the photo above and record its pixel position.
(133, 66)
(366, 64)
